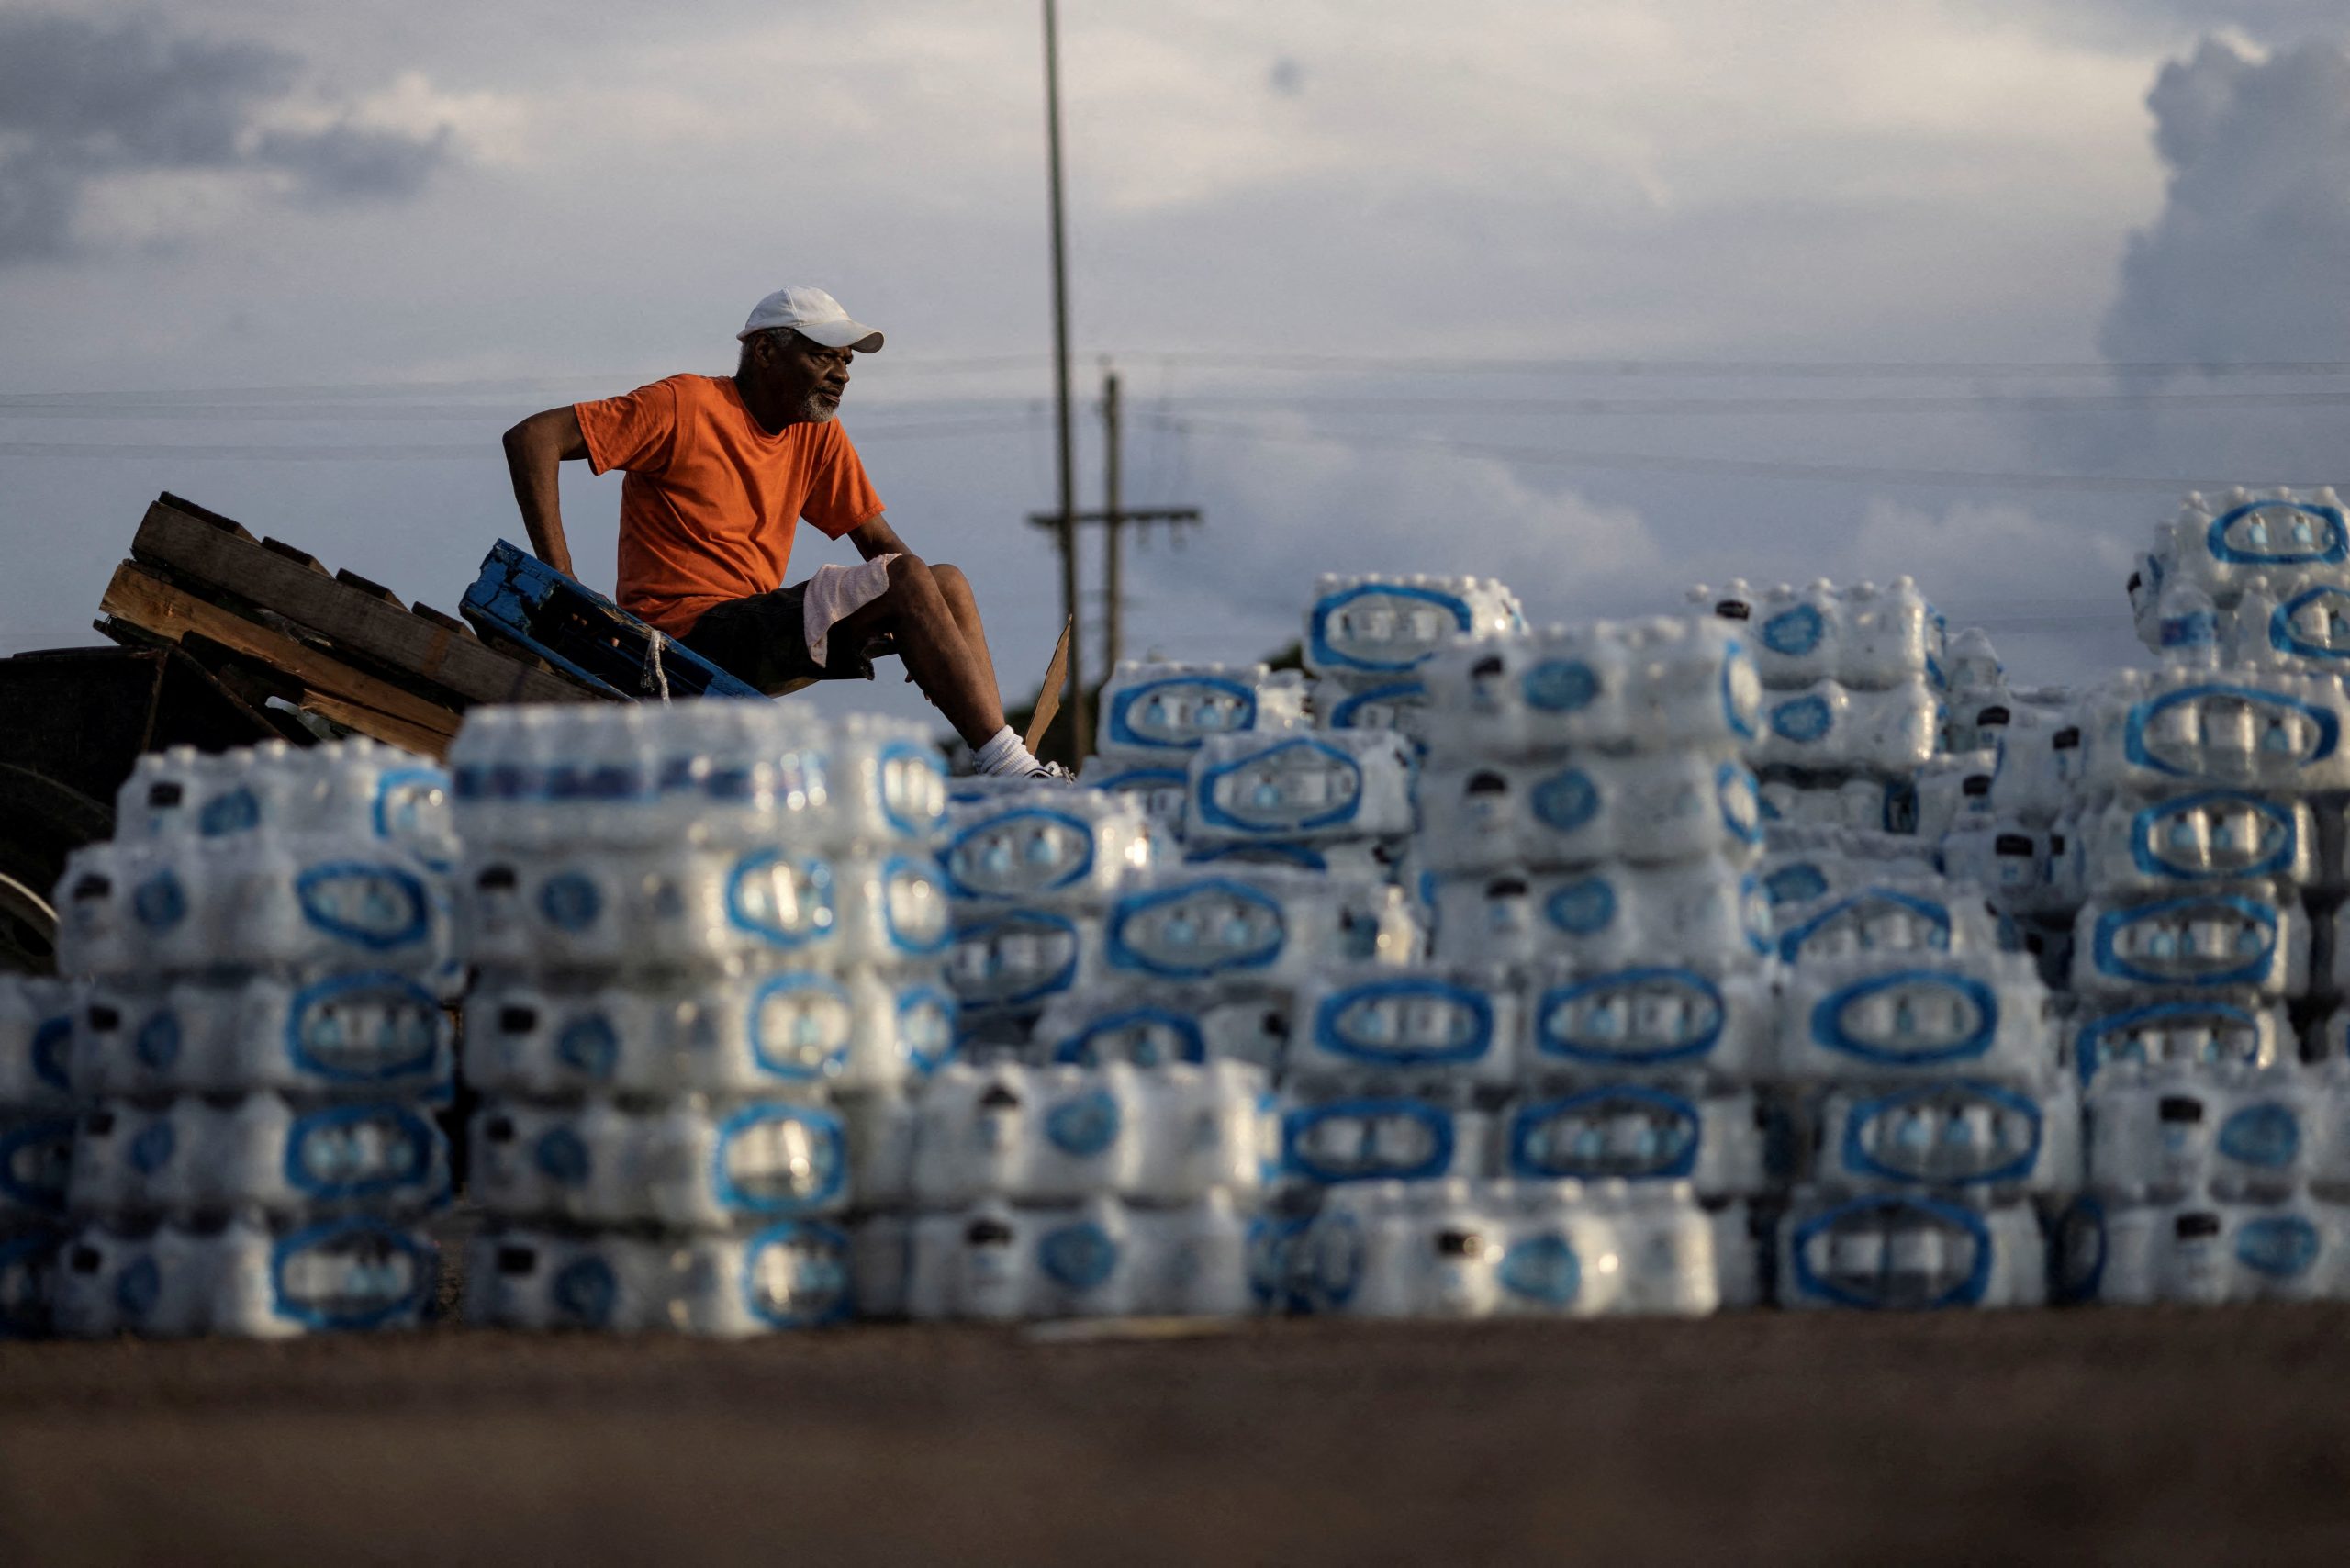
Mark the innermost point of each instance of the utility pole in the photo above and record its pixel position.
(1080, 731)
(1113, 553)
(1113, 518)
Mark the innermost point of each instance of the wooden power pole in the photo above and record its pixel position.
(1065, 521)
(1113, 518)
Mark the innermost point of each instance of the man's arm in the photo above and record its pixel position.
(876, 537)
(535, 450)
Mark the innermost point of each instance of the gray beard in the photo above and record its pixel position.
(817, 411)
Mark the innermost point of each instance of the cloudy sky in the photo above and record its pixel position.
(1603, 299)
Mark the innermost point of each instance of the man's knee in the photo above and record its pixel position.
(951, 582)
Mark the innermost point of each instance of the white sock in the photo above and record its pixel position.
(1004, 756)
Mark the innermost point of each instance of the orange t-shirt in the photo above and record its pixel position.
(712, 500)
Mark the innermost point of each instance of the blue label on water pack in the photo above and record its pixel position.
(239, 811)
(1296, 786)
(2208, 940)
(137, 1288)
(1582, 908)
(1799, 883)
(589, 1045)
(1354, 711)
(1147, 1037)
(1194, 930)
(1644, 1016)
(2290, 734)
(1624, 1132)
(1803, 720)
(2215, 836)
(926, 1027)
(1957, 1133)
(2267, 1135)
(1561, 686)
(584, 1293)
(153, 1146)
(1908, 1018)
(779, 1159)
(351, 1274)
(562, 1157)
(365, 1028)
(1025, 956)
(160, 902)
(1019, 853)
(1078, 1257)
(2313, 624)
(783, 898)
(799, 1027)
(2277, 534)
(1405, 1022)
(1929, 921)
(797, 1275)
(1175, 714)
(376, 907)
(1793, 632)
(913, 789)
(2120, 1037)
(1368, 1140)
(1741, 691)
(1543, 1269)
(2282, 1247)
(913, 906)
(1740, 801)
(362, 1151)
(1914, 1254)
(157, 1044)
(570, 901)
(1377, 626)
(51, 1040)
(34, 1158)
(1085, 1124)
(1566, 801)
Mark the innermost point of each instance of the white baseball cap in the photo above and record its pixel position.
(815, 315)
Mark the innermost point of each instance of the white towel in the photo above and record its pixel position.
(837, 591)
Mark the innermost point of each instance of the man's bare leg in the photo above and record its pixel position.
(953, 671)
(965, 610)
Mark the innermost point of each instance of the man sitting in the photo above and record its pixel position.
(719, 471)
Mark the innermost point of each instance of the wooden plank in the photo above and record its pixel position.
(460, 666)
(1048, 696)
(447, 622)
(296, 553)
(205, 514)
(351, 579)
(146, 600)
(378, 726)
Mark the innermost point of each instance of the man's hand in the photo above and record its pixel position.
(535, 450)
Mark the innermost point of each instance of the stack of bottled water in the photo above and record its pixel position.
(36, 1143)
(1919, 1061)
(1853, 710)
(1527, 1124)
(262, 1047)
(1368, 639)
(2195, 847)
(2275, 565)
(1113, 1173)
(703, 935)
(1154, 714)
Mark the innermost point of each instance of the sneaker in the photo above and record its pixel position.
(1053, 772)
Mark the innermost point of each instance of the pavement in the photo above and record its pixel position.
(2108, 1436)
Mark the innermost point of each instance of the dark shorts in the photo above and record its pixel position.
(764, 640)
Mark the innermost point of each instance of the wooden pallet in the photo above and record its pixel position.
(270, 621)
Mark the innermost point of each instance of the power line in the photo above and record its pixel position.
(310, 412)
(200, 452)
(1738, 467)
